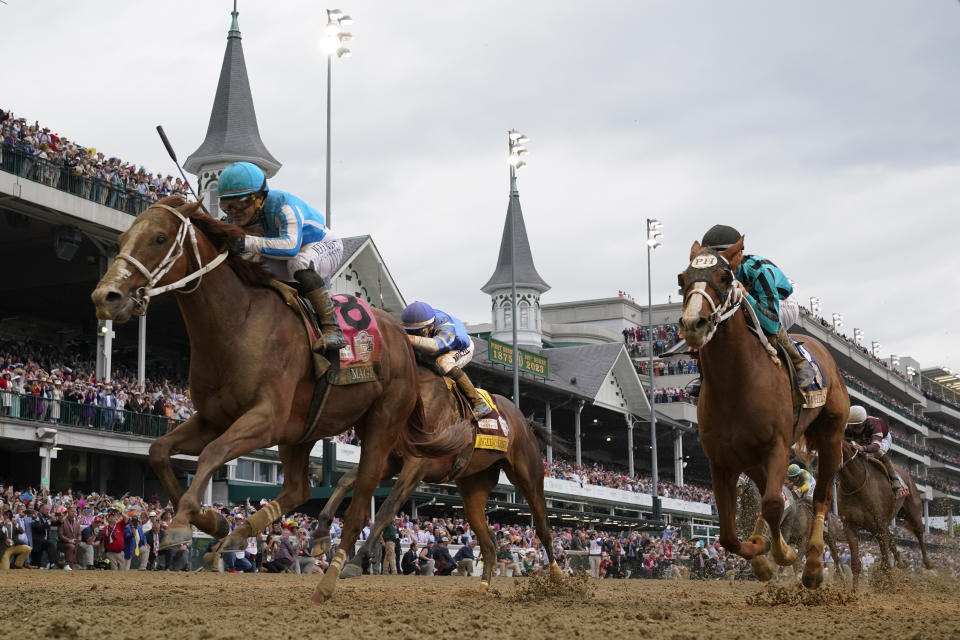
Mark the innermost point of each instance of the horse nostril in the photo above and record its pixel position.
(113, 296)
(701, 323)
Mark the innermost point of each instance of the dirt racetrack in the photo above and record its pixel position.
(115, 605)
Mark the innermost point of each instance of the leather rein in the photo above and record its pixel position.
(141, 297)
(843, 463)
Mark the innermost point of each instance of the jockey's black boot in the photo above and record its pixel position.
(805, 373)
(480, 407)
(312, 288)
(895, 483)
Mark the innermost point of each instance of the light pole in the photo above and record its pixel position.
(837, 322)
(815, 306)
(654, 238)
(858, 336)
(333, 41)
(516, 142)
(875, 349)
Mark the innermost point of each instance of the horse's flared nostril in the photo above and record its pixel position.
(701, 323)
(113, 297)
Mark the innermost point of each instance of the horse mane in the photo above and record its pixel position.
(220, 234)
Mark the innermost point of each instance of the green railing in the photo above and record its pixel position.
(84, 416)
(64, 177)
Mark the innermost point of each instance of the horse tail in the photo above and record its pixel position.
(444, 442)
(547, 438)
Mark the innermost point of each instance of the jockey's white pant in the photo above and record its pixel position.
(324, 257)
(451, 359)
(789, 312)
(885, 443)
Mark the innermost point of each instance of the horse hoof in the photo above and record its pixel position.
(211, 559)
(351, 571)
(761, 569)
(231, 543)
(788, 559)
(222, 527)
(318, 598)
(762, 543)
(320, 546)
(175, 538)
(812, 580)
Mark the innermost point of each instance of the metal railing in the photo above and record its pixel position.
(84, 416)
(60, 175)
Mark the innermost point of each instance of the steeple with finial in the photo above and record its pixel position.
(232, 133)
(528, 282)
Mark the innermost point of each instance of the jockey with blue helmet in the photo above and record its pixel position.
(770, 294)
(443, 337)
(288, 236)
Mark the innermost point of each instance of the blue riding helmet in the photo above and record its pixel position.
(793, 471)
(240, 179)
(417, 315)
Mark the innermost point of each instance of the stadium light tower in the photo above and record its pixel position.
(894, 361)
(516, 143)
(334, 38)
(837, 322)
(815, 306)
(858, 336)
(654, 240)
(875, 349)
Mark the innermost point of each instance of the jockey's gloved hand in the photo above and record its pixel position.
(237, 246)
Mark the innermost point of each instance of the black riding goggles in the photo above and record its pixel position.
(230, 205)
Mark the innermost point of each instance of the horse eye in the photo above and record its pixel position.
(726, 277)
(160, 238)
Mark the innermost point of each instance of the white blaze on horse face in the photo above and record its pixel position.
(691, 310)
(123, 273)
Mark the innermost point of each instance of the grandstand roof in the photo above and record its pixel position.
(232, 134)
(943, 376)
(514, 230)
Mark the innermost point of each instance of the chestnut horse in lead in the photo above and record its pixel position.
(251, 372)
(746, 415)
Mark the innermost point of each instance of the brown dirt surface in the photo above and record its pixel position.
(119, 605)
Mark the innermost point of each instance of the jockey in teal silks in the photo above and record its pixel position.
(770, 294)
(288, 236)
(444, 338)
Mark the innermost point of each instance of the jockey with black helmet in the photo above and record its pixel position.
(872, 436)
(288, 235)
(770, 294)
(443, 337)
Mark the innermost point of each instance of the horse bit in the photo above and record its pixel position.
(141, 297)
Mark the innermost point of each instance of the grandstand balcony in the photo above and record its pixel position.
(862, 395)
(943, 412)
(680, 411)
(852, 359)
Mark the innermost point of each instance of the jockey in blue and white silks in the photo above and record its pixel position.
(287, 236)
(444, 338)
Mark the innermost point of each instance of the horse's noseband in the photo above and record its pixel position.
(701, 269)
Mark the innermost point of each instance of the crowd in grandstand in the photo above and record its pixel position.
(672, 394)
(637, 339)
(71, 531)
(596, 474)
(668, 367)
(40, 383)
(35, 152)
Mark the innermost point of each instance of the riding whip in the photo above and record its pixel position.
(173, 156)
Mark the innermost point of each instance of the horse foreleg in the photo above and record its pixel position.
(251, 431)
(189, 438)
(725, 494)
(321, 535)
(828, 450)
(294, 492)
(913, 521)
(373, 459)
(409, 480)
(474, 490)
(761, 536)
(772, 507)
(526, 474)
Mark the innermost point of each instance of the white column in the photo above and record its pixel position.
(46, 453)
(678, 457)
(142, 350)
(413, 509)
(576, 428)
(373, 508)
(629, 419)
(549, 420)
(926, 516)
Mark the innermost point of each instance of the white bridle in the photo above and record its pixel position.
(141, 298)
(718, 313)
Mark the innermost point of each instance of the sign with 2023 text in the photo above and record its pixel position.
(502, 353)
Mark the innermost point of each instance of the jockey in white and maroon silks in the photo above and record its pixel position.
(872, 436)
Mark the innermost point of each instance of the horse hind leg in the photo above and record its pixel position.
(321, 535)
(912, 520)
(474, 490)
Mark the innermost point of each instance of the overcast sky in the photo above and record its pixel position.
(826, 132)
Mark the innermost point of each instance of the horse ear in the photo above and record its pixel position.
(733, 250)
(190, 208)
(695, 249)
